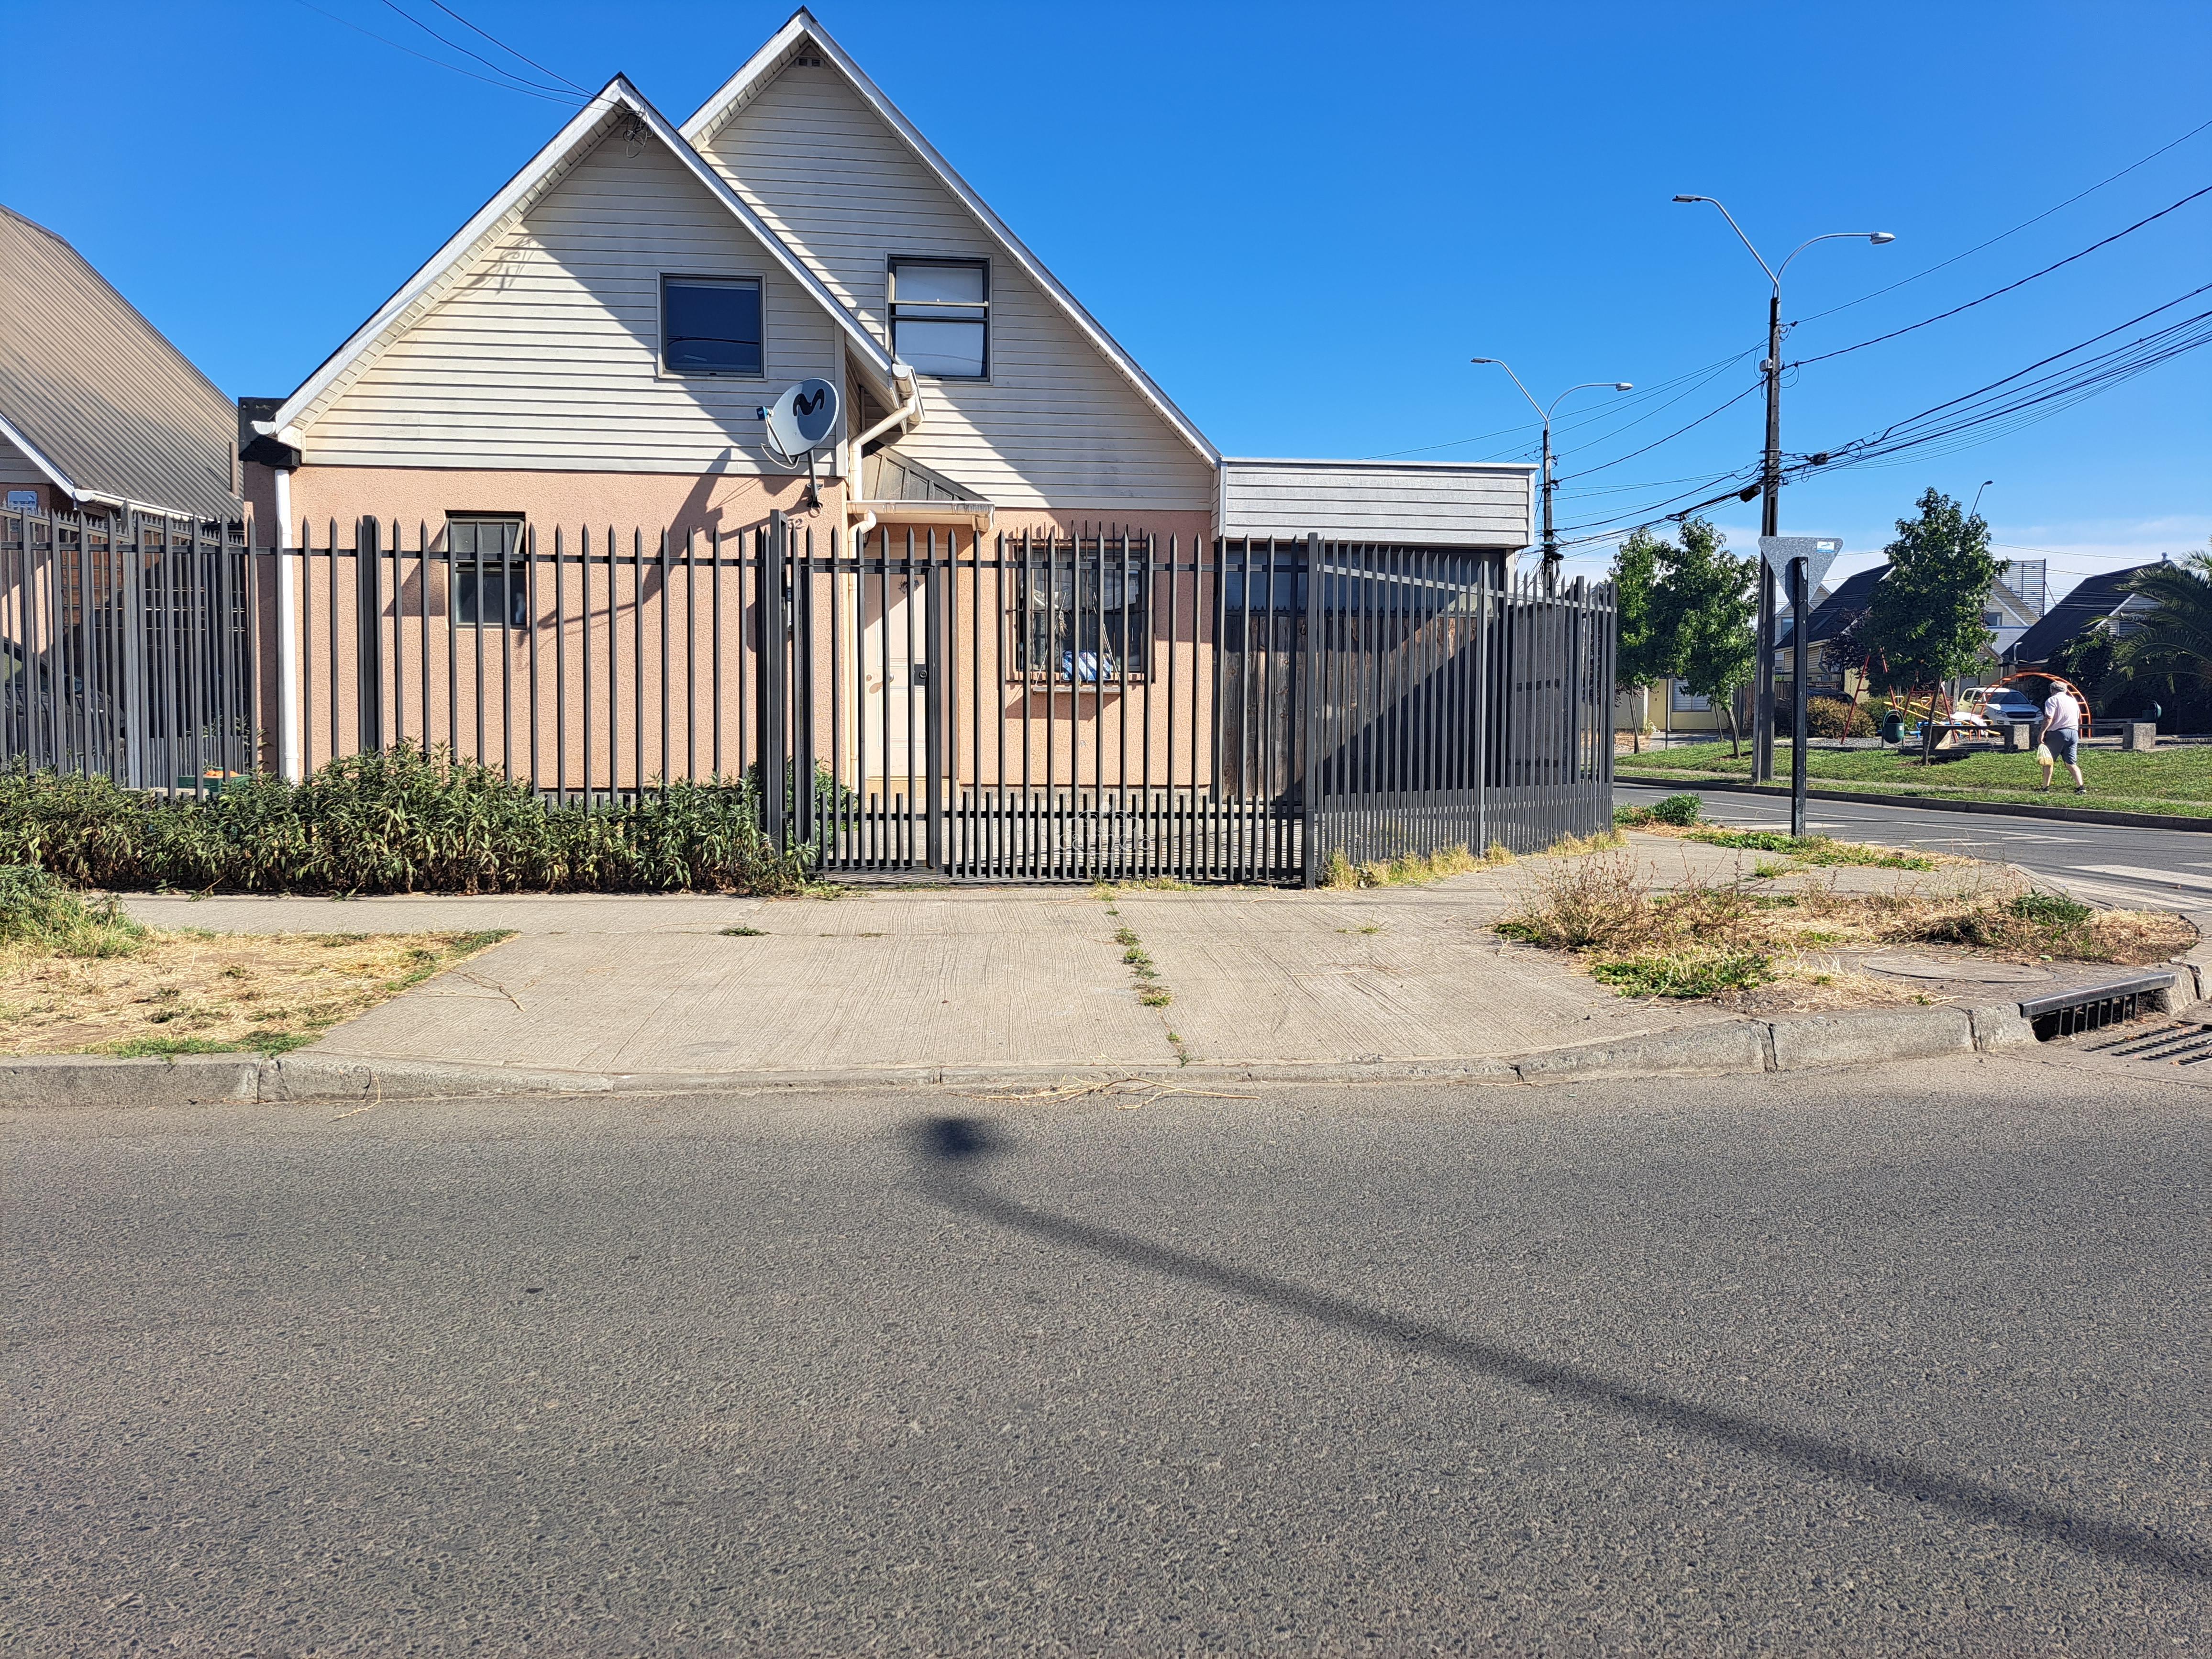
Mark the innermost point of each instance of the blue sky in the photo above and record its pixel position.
(1303, 221)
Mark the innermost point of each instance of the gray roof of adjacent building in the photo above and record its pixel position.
(95, 395)
(2087, 602)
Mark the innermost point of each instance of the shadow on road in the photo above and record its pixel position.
(947, 1149)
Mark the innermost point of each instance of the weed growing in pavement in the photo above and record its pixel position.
(1680, 812)
(1823, 850)
(1685, 973)
(1702, 939)
(744, 932)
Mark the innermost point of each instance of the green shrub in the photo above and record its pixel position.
(1835, 717)
(408, 820)
(37, 909)
(1680, 810)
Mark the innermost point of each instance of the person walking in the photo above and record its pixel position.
(2061, 738)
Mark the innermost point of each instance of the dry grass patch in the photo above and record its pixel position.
(1412, 870)
(199, 992)
(1704, 940)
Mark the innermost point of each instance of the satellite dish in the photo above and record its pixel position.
(802, 420)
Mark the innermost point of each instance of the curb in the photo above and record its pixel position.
(2022, 810)
(1810, 1043)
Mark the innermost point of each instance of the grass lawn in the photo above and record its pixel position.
(2176, 780)
(126, 990)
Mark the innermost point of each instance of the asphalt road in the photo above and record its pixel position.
(1902, 1362)
(2102, 864)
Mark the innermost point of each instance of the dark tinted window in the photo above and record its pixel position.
(711, 325)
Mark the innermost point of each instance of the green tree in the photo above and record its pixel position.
(1925, 625)
(2174, 637)
(1707, 598)
(1640, 657)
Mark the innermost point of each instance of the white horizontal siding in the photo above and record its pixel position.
(17, 470)
(548, 356)
(1056, 425)
(1417, 506)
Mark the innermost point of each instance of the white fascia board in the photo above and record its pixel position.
(709, 116)
(32, 454)
(617, 96)
(1376, 465)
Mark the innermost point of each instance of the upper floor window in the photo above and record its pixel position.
(711, 325)
(941, 317)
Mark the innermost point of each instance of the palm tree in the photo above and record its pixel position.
(2175, 637)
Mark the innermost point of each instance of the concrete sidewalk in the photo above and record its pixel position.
(1018, 978)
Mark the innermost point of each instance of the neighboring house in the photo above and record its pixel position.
(2014, 606)
(2093, 599)
(594, 345)
(97, 411)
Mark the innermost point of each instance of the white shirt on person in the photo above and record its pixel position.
(2061, 713)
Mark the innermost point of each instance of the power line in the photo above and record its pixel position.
(2008, 287)
(509, 85)
(1669, 438)
(556, 74)
(2014, 231)
(397, 10)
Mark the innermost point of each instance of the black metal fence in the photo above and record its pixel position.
(1016, 707)
(128, 647)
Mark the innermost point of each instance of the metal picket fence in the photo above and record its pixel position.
(963, 705)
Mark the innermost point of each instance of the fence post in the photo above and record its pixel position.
(368, 645)
(934, 703)
(1310, 765)
(774, 665)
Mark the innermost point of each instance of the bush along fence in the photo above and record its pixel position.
(1008, 707)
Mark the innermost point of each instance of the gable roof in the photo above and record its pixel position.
(94, 395)
(427, 287)
(2091, 600)
(1845, 605)
(802, 30)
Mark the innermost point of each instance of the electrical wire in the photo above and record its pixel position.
(1877, 292)
(398, 11)
(1605, 412)
(2008, 287)
(506, 86)
(556, 74)
(1974, 417)
(1669, 438)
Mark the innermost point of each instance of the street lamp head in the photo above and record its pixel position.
(1692, 198)
(1624, 386)
(1482, 360)
(1880, 237)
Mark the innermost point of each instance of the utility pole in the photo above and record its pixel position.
(1551, 539)
(1769, 506)
(1769, 524)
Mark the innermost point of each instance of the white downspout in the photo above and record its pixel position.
(290, 760)
(906, 411)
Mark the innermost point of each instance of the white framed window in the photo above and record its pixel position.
(1688, 701)
(712, 326)
(490, 587)
(941, 317)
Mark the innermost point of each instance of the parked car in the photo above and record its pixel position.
(1994, 706)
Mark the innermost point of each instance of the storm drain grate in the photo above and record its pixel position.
(2181, 1043)
(2093, 1007)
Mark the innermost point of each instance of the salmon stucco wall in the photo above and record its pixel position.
(650, 502)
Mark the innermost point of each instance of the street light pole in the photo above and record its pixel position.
(1551, 538)
(1770, 505)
